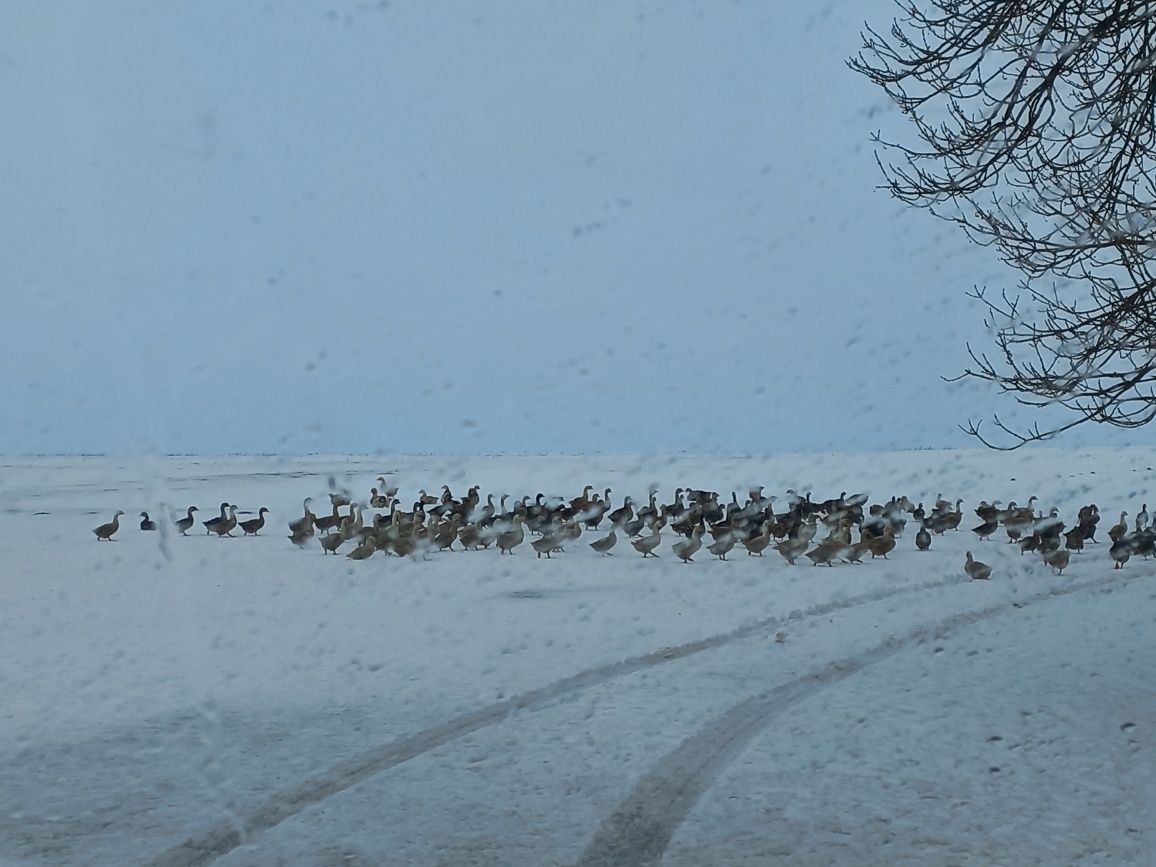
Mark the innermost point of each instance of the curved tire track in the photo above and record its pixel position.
(247, 825)
(638, 832)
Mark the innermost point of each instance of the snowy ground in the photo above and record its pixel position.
(241, 702)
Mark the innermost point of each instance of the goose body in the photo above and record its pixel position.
(825, 552)
(923, 539)
(686, 549)
(646, 545)
(757, 544)
(1120, 552)
(225, 526)
(975, 570)
(512, 538)
(212, 522)
(147, 523)
(253, 525)
(305, 522)
(792, 548)
(603, 545)
(363, 551)
(301, 537)
(723, 546)
(984, 530)
(104, 532)
(1118, 532)
(545, 544)
(185, 524)
(1058, 559)
(330, 543)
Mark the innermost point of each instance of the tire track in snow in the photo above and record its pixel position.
(247, 825)
(638, 832)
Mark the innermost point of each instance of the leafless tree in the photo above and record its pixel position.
(1036, 122)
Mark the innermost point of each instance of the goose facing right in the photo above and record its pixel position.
(104, 532)
(603, 545)
(253, 525)
(185, 524)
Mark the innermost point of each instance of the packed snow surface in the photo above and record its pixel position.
(172, 700)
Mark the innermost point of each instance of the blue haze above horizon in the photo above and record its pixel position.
(466, 227)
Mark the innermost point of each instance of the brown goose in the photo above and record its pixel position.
(305, 522)
(330, 543)
(447, 533)
(363, 551)
(1058, 559)
(579, 503)
(301, 537)
(645, 545)
(470, 536)
(147, 523)
(185, 524)
(253, 525)
(545, 544)
(792, 548)
(975, 570)
(922, 538)
(723, 545)
(854, 554)
(603, 545)
(105, 532)
(512, 538)
(757, 544)
(686, 549)
(225, 527)
(881, 546)
(622, 514)
(212, 522)
(825, 552)
(325, 523)
(1120, 530)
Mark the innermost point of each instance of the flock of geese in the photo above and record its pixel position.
(820, 531)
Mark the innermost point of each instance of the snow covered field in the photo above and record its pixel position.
(197, 700)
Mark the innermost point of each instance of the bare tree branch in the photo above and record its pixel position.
(1036, 122)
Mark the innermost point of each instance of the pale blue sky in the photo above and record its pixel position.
(451, 226)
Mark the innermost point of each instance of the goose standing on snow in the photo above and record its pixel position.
(975, 570)
(1142, 519)
(363, 551)
(512, 538)
(185, 524)
(645, 545)
(721, 547)
(686, 549)
(212, 522)
(1120, 552)
(1120, 530)
(922, 538)
(147, 523)
(603, 545)
(1058, 559)
(225, 527)
(305, 522)
(105, 532)
(254, 524)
